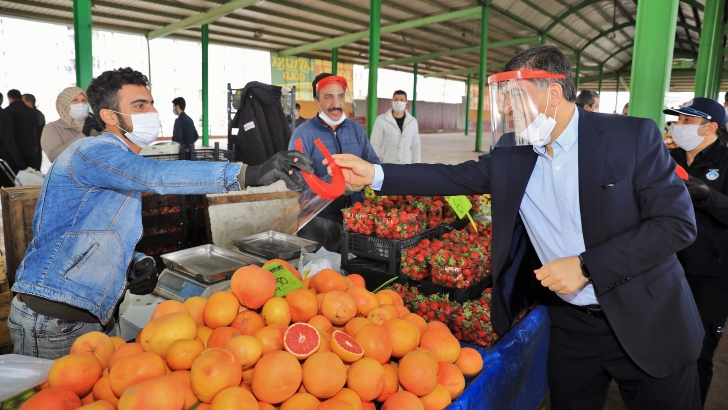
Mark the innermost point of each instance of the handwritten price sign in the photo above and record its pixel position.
(462, 206)
(285, 280)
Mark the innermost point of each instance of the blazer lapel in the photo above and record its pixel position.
(592, 152)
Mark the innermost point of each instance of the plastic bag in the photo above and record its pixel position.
(19, 373)
(312, 263)
(300, 212)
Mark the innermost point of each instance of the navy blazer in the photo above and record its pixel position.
(636, 214)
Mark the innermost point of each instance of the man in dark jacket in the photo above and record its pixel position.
(184, 127)
(705, 158)
(29, 100)
(26, 129)
(8, 150)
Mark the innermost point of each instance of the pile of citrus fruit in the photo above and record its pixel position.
(328, 345)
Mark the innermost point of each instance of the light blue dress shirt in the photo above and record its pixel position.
(550, 207)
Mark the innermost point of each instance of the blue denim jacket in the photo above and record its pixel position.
(88, 219)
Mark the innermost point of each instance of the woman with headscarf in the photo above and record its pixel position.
(72, 106)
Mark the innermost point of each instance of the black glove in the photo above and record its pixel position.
(699, 191)
(91, 123)
(143, 277)
(281, 166)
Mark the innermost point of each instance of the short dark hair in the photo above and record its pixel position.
(104, 89)
(726, 97)
(298, 106)
(1, 98)
(626, 106)
(30, 98)
(179, 101)
(317, 79)
(400, 92)
(586, 97)
(14, 95)
(546, 58)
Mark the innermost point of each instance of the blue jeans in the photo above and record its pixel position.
(42, 336)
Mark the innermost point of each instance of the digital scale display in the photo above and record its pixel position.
(177, 286)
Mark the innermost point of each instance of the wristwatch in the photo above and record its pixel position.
(584, 269)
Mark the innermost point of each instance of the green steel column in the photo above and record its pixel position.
(334, 61)
(616, 97)
(375, 14)
(543, 38)
(82, 42)
(482, 78)
(711, 42)
(577, 74)
(467, 105)
(654, 41)
(205, 89)
(601, 79)
(414, 90)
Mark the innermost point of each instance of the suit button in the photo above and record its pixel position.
(628, 279)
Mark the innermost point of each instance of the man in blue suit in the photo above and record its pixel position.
(588, 214)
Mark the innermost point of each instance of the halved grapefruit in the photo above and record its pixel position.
(301, 340)
(348, 349)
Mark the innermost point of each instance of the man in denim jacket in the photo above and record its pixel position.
(88, 218)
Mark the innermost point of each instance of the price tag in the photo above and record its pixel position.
(461, 205)
(285, 280)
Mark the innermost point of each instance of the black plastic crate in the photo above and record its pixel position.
(375, 273)
(156, 200)
(459, 295)
(381, 248)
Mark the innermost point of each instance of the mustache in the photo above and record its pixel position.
(334, 109)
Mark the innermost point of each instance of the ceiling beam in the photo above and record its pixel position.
(392, 28)
(201, 18)
(473, 70)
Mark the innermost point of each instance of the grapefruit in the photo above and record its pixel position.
(324, 375)
(253, 286)
(303, 305)
(246, 349)
(75, 372)
(345, 346)
(470, 362)
(403, 400)
(366, 378)
(248, 322)
(328, 280)
(301, 340)
(95, 344)
(338, 307)
(276, 377)
(276, 312)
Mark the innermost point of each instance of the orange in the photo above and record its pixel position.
(436, 324)
(167, 307)
(338, 307)
(301, 401)
(334, 404)
(182, 353)
(321, 323)
(379, 315)
(134, 369)
(350, 397)
(383, 298)
(353, 325)
(276, 377)
(88, 399)
(396, 299)
(437, 400)
(450, 377)
(328, 279)
(271, 338)
(158, 334)
(234, 398)
(276, 312)
(253, 286)
(391, 382)
(345, 346)
(402, 310)
(95, 344)
(324, 374)
(98, 405)
(212, 372)
(366, 378)
(403, 400)
(431, 356)
(325, 341)
(286, 265)
(53, 398)
(246, 349)
(220, 310)
(183, 377)
(367, 405)
(442, 343)
(248, 377)
(357, 280)
(416, 373)
(204, 332)
(405, 336)
(470, 362)
(221, 336)
(195, 306)
(376, 342)
(163, 392)
(302, 304)
(102, 391)
(248, 322)
(118, 342)
(75, 372)
(416, 320)
(265, 406)
(391, 309)
(365, 300)
(126, 350)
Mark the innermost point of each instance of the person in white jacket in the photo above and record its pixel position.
(396, 134)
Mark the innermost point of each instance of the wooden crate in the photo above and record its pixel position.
(18, 206)
(5, 299)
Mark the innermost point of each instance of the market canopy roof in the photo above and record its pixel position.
(441, 35)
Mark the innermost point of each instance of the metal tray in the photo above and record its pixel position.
(208, 263)
(275, 245)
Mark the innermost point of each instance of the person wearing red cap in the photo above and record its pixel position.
(700, 134)
(340, 136)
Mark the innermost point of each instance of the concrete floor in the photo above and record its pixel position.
(456, 148)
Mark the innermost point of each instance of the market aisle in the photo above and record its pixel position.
(450, 148)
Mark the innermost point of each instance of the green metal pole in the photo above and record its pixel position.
(711, 42)
(481, 78)
(82, 42)
(414, 90)
(467, 105)
(543, 38)
(616, 96)
(334, 61)
(375, 15)
(577, 75)
(654, 41)
(601, 79)
(205, 88)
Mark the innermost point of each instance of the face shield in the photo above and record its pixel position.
(520, 108)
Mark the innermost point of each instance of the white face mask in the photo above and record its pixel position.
(146, 128)
(174, 111)
(399, 106)
(329, 121)
(78, 111)
(686, 136)
(538, 133)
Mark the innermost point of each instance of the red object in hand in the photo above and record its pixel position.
(331, 190)
(680, 171)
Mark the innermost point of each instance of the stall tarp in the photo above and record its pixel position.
(514, 370)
